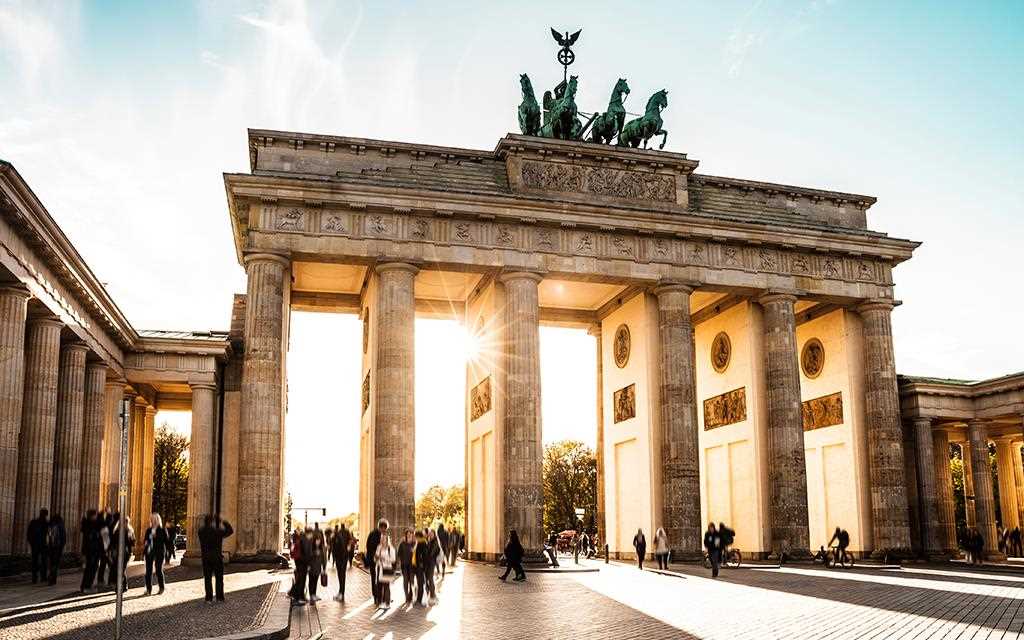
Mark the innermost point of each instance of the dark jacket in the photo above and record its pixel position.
(405, 551)
(712, 541)
(314, 553)
(92, 543)
(37, 533)
(514, 551)
(639, 541)
(339, 545)
(155, 545)
(442, 537)
(56, 535)
(372, 542)
(211, 539)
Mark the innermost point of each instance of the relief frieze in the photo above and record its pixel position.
(602, 181)
(825, 411)
(624, 401)
(333, 223)
(727, 408)
(480, 399)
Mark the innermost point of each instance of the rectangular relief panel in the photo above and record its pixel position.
(825, 411)
(727, 408)
(480, 399)
(625, 403)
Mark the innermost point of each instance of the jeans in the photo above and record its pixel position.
(716, 561)
(54, 562)
(298, 591)
(38, 563)
(92, 561)
(154, 563)
(213, 570)
(374, 587)
(640, 553)
(428, 572)
(314, 581)
(408, 581)
(341, 564)
(662, 560)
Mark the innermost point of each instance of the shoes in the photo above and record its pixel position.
(301, 602)
(209, 601)
(519, 579)
(220, 599)
(432, 601)
(314, 598)
(148, 593)
(160, 592)
(339, 598)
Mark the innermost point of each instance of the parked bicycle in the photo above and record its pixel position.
(835, 556)
(731, 558)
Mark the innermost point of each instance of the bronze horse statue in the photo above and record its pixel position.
(648, 125)
(608, 125)
(560, 119)
(529, 110)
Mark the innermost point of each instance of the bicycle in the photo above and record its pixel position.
(731, 558)
(835, 557)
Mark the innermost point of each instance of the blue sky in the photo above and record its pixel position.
(123, 116)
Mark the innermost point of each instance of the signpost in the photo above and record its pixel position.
(122, 498)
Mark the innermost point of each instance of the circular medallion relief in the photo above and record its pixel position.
(721, 352)
(812, 358)
(620, 347)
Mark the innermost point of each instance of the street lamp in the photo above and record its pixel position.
(122, 498)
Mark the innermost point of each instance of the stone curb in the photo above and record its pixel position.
(276, 626)
(528, 569)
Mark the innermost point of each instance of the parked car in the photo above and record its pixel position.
(179, 541)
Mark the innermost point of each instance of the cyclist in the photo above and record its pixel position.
(842, 540)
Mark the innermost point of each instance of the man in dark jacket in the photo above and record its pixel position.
(406, 551)
(339, 551)
(56, 538)
(713, 544)
(211, 545)
(372, 542)
(37, 544)
(92, 548)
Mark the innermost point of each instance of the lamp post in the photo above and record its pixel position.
(122, 496)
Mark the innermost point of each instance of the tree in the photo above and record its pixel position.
(440, 505)
(170, 475)
(570, 482)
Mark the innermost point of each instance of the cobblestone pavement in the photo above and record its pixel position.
(61, 612)
(926, 601)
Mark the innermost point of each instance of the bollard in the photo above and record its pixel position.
(606, 554)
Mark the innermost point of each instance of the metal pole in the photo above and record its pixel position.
(122, 494)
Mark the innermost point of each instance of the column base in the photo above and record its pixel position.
(995, 556)
(891, 556)
(791, 555)
(260, 557)
(678, 555)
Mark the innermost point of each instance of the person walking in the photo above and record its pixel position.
(713, 544)
(407, 562)
(211, 546)
(384, 565)
(36, 535)
(430, 570)
(316, 560)
(171, 532)
(298, 591)
(56, 538)
(550, 547)
(154, 551)
(370, 555)
(105, 573)
(340, 542)
(444, 539)
(92, 548)
(661, 548)
(129, 545)
(640, 546)
(514, 558)
(420, 565)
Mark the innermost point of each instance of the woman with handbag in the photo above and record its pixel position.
(384, 565)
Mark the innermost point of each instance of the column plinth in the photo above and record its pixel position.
(67, 467)
(889, 511)
(13, 310)
(38, 426)
(261, 425)
(944, 492)
(927, 493)
(93, 429)
(522, 451)
(680, 471)
(202, 463)
(787, 469)
(984, 502)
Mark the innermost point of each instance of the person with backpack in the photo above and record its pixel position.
(729, 536)
(56, 538)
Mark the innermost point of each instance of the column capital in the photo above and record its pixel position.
(669, 286)
(922, 420)
(75, 346)
(777, 295)
(46, 321)
(594, 330)
(96, 364)
(381, 267)
(212, 386)
(520, 275)
(877, 304)
(15, 289)
(265, 256)
(150, 410)
(140, 401)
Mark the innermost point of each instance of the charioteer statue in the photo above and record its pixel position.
(559, 117)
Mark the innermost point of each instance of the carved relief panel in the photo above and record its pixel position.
(812, 358)
(366, 392)
(825, 411)
(721, 352)
(621, 346)
(601, 181)
(624, 401)
(480, 399)
(727, 408)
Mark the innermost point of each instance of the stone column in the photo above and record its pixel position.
(944, 491)
(889, 512)
(38, 426)
(680, 471)
(1007, 483)
(927, 494)
(984, 503)
(394, 427)
(137, 438)
(113, 392)
(148, 451)
(67, 463)
(787, 469)
(965, 457)
(261, 429)
(522, 443)
(1018, 480)
(13, 310)
(600, 515)
(202, 462)
(94, 426)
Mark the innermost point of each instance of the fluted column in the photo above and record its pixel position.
(113, 392)
(968, 470)
(787, 469)
(680, 471)
(599, 517)
(984, 502)
(137, 450)
(889, 513)
(261, 429)
(1018, 480)
(394, 427)
(944, 491)
(927, 494)
(38, 425)
(67, 463)
(148, 451)
(90, 492)
(1007, 483)
(13, 309)
(523, 454)
(202, 461)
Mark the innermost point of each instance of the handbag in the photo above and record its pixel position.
(323, 579)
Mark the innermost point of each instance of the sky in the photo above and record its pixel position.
(124, 116)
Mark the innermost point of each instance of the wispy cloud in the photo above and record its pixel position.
(33, 35)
